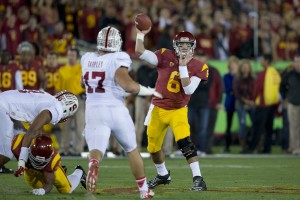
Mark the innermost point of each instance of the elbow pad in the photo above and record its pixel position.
(149, 57)
(190, 89)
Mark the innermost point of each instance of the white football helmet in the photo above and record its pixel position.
(69, 104)
(109, 39)
(184, 37)
(24, 47)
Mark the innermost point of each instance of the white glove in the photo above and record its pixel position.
(39, 191)
(147, 91)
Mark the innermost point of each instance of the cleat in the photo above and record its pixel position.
(83, 177)
(92, 178)
(147, 195)
(159, 180)
(199, 184)
(4, 170)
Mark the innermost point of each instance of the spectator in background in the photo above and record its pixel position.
(221, 42)
(69, 78)
(10, 75)
(88, 19)
(33, 76)
(32, 32)
(12, 36)
(61, 40)
(290, 91)
(266, 97)
(215, 100)
(240, 35)
(48, 14)
(198, 115)
(68, 13)
(243, 85)
(285, 131)
(233, 64)
(23, 17)
(205, 42)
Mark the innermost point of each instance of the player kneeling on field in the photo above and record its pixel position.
(43, 168)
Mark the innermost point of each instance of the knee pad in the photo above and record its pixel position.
(187, 147)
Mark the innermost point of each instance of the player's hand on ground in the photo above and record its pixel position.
(39, 191)
(21, 168)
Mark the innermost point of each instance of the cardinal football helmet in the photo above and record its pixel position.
(184, 37)
(109, 39)
(41, 152)
(69, 104)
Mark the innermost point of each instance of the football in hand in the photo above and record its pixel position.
(142, 22)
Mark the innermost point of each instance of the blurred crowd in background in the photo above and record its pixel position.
(55, 32)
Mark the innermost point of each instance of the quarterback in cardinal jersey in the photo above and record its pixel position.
(179, 74)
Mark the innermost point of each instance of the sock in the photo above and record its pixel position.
(93, 161)
(74, 179)
(161, 169)
(195, 168)
(142, 183)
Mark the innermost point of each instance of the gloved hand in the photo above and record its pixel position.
(39, 191)
(147, 91)
(21, 168)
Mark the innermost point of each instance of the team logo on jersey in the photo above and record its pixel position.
(204, 67)
(171, 64)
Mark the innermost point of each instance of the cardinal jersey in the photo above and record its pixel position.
(25, 105)
(98, 73)
(30, 75)
(168, 81)
(50, 167)
(51, 73)
(35, 177)
(8, 76)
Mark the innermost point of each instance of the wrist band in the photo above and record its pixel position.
(183, 71)
(140, 36)
(24, 154)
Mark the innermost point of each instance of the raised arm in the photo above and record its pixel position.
(140, 50)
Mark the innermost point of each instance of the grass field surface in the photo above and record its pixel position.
(228, 176)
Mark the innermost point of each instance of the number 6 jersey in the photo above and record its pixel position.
(168, 82)
(98, 73)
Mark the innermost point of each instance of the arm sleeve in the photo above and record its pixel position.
(149, 57)
(18, 80)
(190, 89)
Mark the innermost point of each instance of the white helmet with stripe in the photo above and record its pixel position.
(109, 39)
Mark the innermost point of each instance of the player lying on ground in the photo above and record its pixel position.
(43, 170)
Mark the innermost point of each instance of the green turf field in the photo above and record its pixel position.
(230, 176)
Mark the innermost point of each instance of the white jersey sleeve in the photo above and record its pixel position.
(123, 59)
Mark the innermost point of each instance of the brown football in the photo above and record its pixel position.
(142, 22)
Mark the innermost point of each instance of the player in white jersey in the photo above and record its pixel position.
(106, 78)
(35, 107)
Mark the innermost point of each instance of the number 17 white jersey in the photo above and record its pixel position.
(98, 73)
